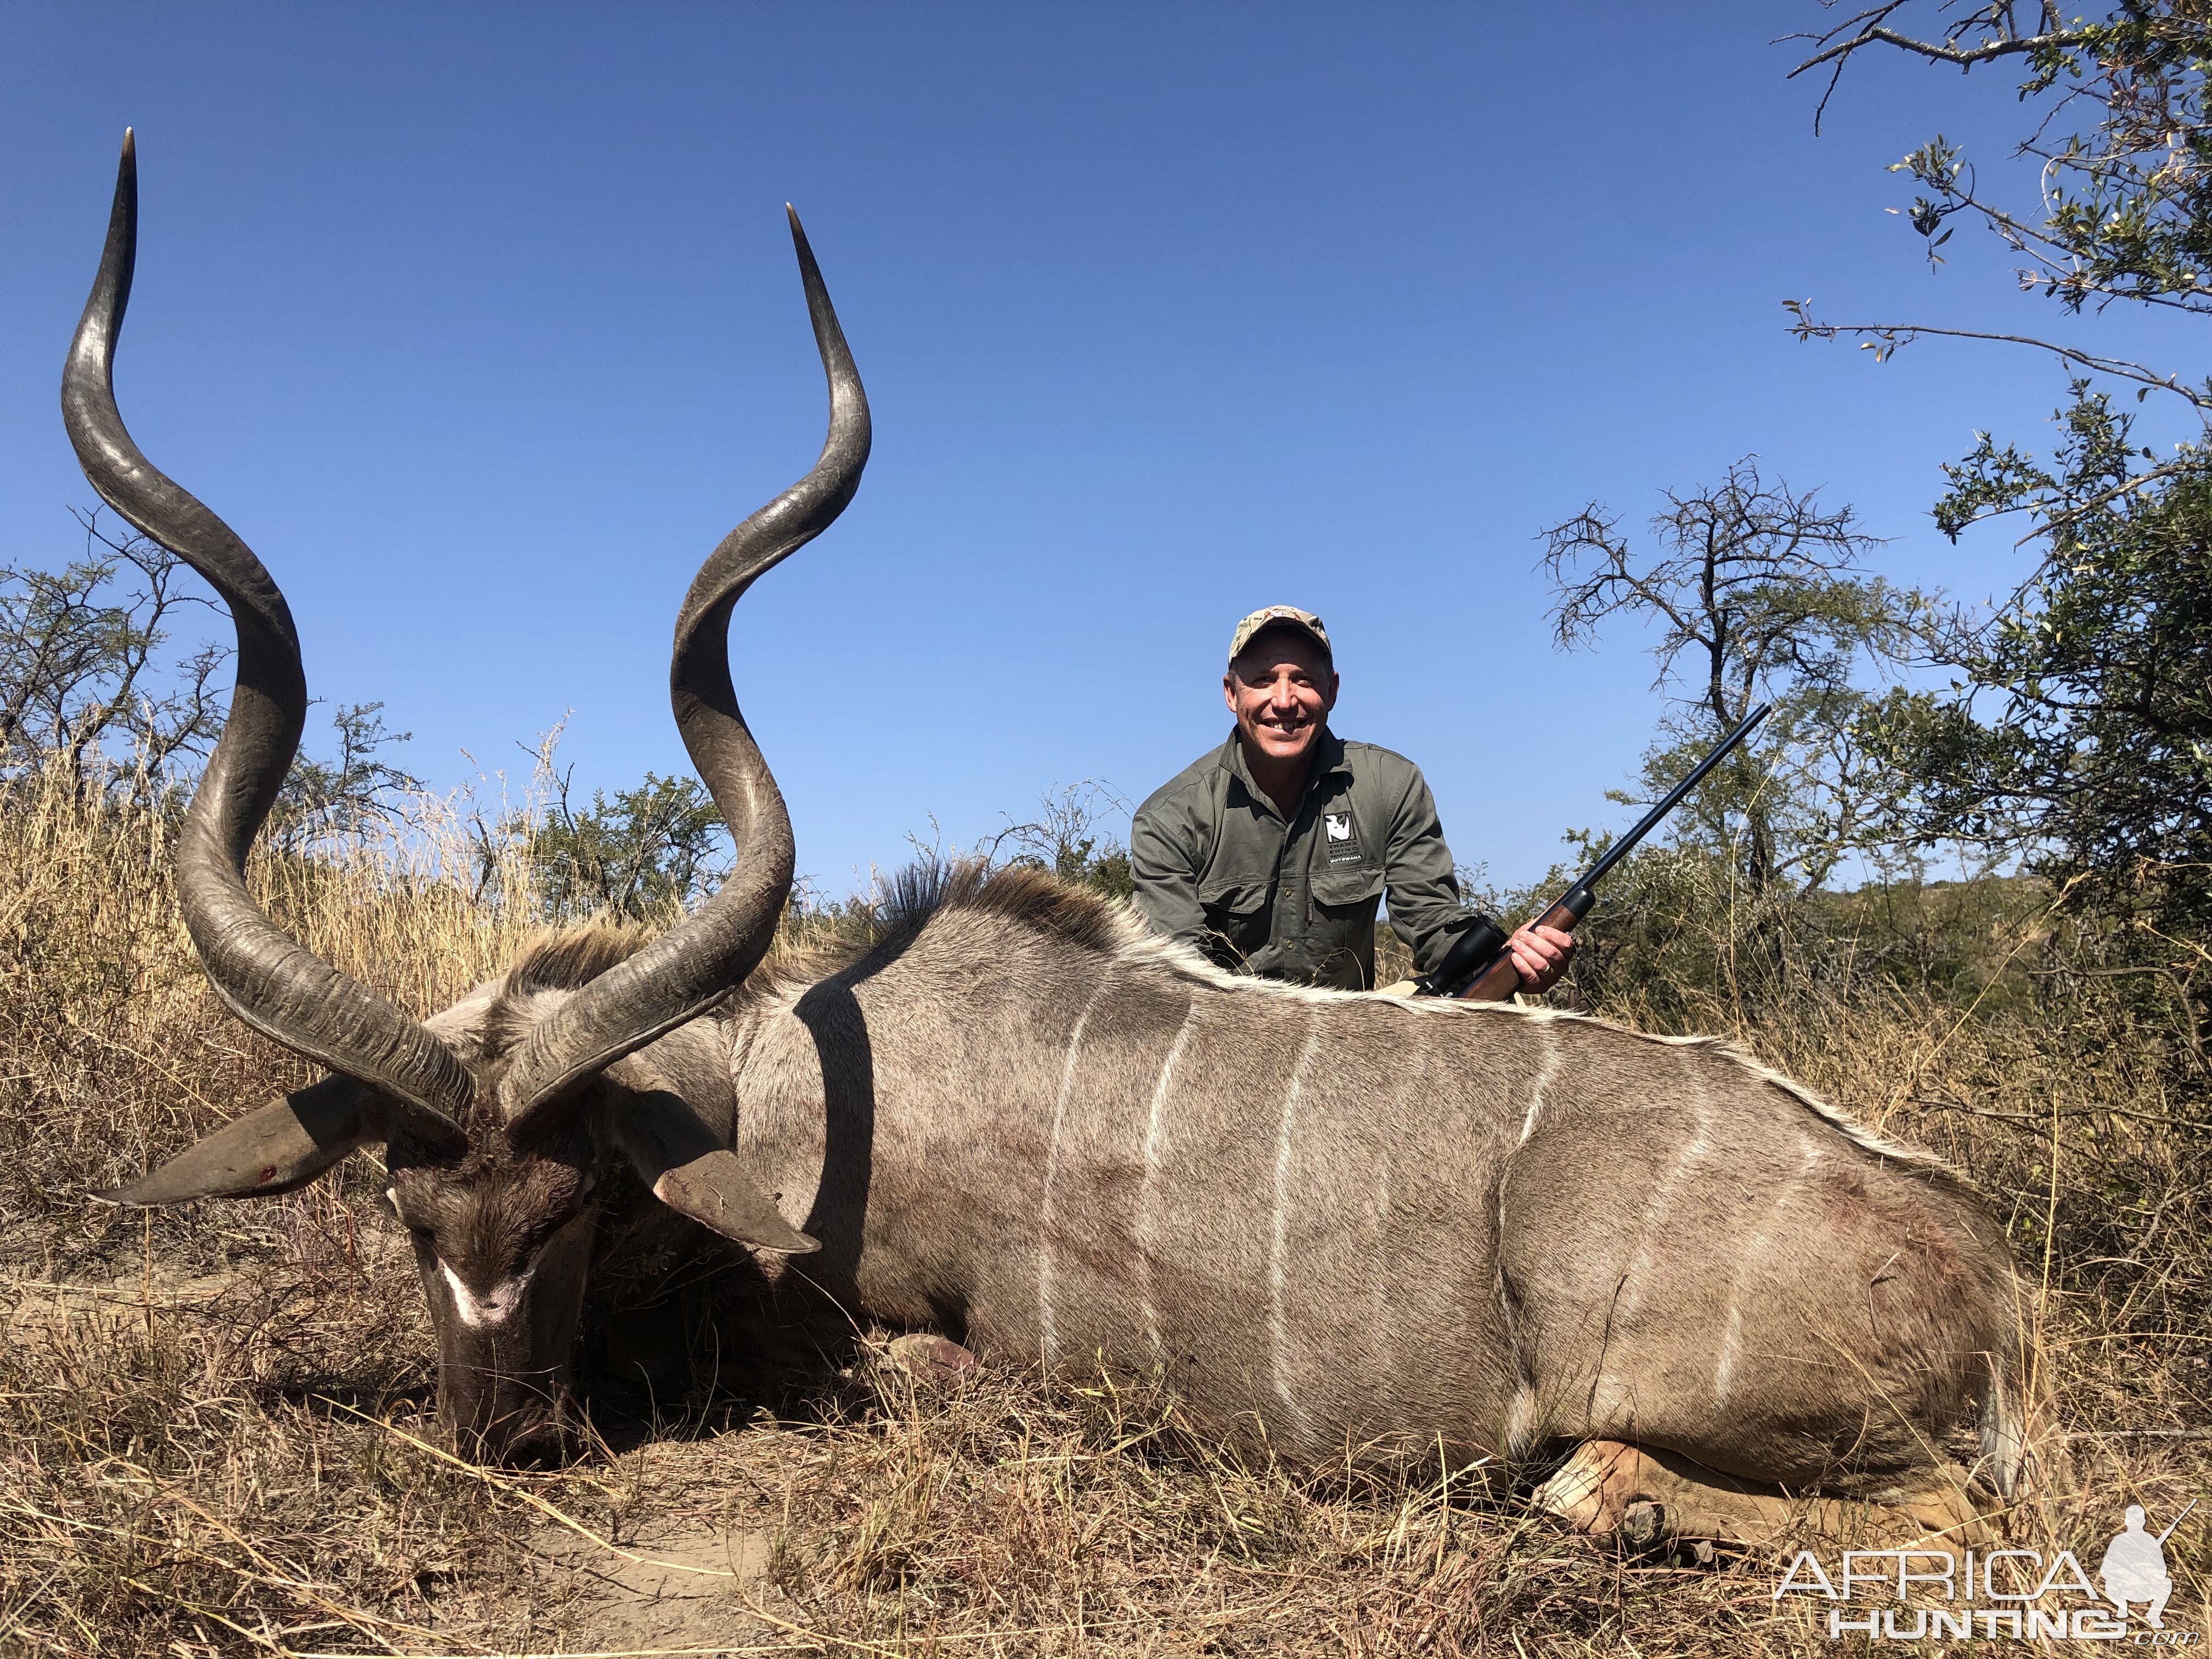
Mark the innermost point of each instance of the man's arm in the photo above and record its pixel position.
(1164, 860)
(1417, 872)
(1425, 910)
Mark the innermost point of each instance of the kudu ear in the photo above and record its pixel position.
(272, 1150)
(688, 1167)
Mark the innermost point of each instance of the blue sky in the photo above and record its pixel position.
(481, 324)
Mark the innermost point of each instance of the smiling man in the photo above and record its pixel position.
(1270, 853)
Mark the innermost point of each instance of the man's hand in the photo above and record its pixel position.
(1540, 955)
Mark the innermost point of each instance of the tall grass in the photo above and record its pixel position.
(214, 1428)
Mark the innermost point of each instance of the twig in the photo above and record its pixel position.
(2037, 1119)
(1894, 334)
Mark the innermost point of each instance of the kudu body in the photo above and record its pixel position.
(1359, 1220)
(1345, 1221)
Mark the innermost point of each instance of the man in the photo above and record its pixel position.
(1270, 853)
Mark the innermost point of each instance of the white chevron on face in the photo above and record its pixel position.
(497, 1305)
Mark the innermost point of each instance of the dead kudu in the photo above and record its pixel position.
(1344, 1222)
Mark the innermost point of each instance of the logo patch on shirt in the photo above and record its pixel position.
(1343, 839)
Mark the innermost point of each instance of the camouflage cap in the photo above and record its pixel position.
(1278, 616)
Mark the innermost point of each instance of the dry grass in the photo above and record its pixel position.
(214, 1427)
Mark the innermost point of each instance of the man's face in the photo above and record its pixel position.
(1281, 689)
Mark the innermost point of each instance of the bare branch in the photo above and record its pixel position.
(1966, 58)
(1885, 338)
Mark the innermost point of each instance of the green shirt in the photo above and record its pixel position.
(1216, 867)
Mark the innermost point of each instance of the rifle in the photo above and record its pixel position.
(2177, 1519)
(1479, 960)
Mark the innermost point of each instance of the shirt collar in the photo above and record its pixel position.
(1328, 760)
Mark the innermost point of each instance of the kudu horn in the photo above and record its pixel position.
(686, 970)
(272, 982)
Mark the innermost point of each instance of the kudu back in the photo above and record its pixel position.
(1345, 1223)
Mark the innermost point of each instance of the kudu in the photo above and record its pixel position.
(1347, 1222)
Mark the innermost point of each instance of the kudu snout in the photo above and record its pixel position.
(504, 1347)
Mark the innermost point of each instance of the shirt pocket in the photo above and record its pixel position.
(1227, 895)
(1340, 891)
(1238, 922)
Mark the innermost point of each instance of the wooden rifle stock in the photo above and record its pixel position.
(1501, 979)
(1478, 967)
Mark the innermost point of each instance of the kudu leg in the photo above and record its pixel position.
(1608, 1486)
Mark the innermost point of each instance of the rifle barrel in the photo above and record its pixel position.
(1478, 951)
(1621, 848)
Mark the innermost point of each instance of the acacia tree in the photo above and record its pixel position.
(2118, 209)
(1759, 595)
(95, 685)
(85, 672)
(1073, 836)
(2079, 729)
(2122, 205)
(347, 796)
(633, 855)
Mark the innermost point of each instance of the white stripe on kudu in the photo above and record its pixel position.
(1278, 1336)
(1659, 1208)
(1140, 1228)
(1052, 1165)
(1548, 1038)
(1754, 1257)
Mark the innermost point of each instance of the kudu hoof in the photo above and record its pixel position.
(931, 1361)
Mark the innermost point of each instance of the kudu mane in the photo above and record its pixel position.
(566, 959)
(880, 933)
